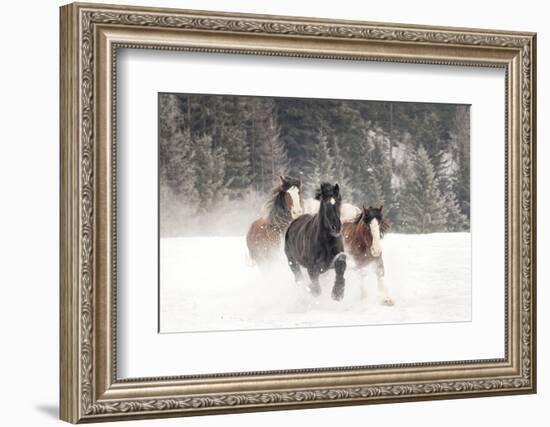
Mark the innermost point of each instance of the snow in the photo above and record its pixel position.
(209, 283)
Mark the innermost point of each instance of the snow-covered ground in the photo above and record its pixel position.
(209, 283)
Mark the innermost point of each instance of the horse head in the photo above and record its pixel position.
(329, 208)
(374, 220)
(292, 198)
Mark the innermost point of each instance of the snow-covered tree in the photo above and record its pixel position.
(381, 175)
(210, 171)
(365, 146)
(237, 162)
(268, 154)
(340, 170)
(273, 156)
(176, 152)
(422, 207)
(461, 132)
(372, 171)
(456, 220)
(320, 166)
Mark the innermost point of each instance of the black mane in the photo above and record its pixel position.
(375, 213)
(276, 211)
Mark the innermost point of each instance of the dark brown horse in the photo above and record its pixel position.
(265, 234)
(315, 242)
(362, 241)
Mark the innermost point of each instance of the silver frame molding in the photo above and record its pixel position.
(90, 37)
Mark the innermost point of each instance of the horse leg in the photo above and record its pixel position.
(340, 282)
(314, 286)
(382, 289)
(295, 267)
(362, 284)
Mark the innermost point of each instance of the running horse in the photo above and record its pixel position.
(265, 234)
(363, 242)
(315, 242)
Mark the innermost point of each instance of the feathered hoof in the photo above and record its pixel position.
(338, 292)
(314, 289)
(388, 301)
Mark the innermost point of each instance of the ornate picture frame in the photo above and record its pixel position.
(90, 37)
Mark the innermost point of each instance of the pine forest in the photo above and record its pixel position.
(220, 156)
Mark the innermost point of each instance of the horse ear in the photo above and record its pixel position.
(336, 189)
(282, 178)
(381, 207)
(318, 194)
(299, 182)
(365, 210)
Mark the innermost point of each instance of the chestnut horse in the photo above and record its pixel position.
(362, 241)
(265, 234)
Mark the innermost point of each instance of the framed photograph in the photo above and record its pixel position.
(266, 212)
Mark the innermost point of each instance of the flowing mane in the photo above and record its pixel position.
(276, 211)
(265, 234)
(384, 224)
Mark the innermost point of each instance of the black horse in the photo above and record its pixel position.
(315, 242)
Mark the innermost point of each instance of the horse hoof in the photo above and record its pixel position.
(338, 293)
(314, 289)
(388, 302)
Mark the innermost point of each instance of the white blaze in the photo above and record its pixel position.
(296, 210)
(376, 249)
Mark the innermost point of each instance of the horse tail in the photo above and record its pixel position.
(249, 243)
(248, 260)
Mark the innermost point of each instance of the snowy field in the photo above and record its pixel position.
(209, 283)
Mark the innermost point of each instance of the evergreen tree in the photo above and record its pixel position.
(461, 132)
(299, 121)
(214, 147)
(273, 154)
(360, 171)
(372, 176)
(179, 172)
(176, 153)
(231, 135)
(456, 220)
(381, 175)
(340, 170)
(268, 155)
(375, 195)
(237, 162)
(321, 167)
(351, 130)
(210, 171)
(422, 207)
